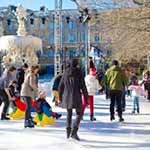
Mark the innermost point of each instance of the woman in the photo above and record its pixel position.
(70, 87)
(28, 92)
(7, 77)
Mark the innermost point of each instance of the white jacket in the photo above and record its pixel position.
(136, 90)
(92, 84)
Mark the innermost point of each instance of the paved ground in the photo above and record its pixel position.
(134, 133)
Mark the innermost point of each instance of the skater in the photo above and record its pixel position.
(5, 97)
(42, 103)
(71, 85)
(20, 76)
(91, 63)
(116, 80)
(55, 89)
(147, 88)
(92, 85)
(136, 92)
(29, 92)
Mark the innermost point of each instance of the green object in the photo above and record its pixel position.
(40, 116)
(115, 78)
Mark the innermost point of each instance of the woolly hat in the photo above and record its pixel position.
(41, 92)
(93, 71)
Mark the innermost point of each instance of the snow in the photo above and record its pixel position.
(102, 134)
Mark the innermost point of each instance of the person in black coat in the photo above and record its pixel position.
(20, 76)
(70, 87)
(55, 89)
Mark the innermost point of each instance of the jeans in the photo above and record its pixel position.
(27, 100)
(5, 100)
(116, 98)
(135, 102)
(77, 120)
(124, 99)
(148, 95)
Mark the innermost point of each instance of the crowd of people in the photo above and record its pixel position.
(72, 91)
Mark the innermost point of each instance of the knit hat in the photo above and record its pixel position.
(93, 71)
(41, 93)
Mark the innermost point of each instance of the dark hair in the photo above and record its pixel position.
(11, 69)
(14, 82)
(74, 62)
(115, 62)
(34, 67)
(25, 65)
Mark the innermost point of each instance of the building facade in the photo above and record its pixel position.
(41, 23)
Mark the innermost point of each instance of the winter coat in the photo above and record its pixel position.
(13, 91)
(29, 86)
(41, 103)
(56, 82)
(136, 90)
(147, 85)
(115, 79)
(20, 77)
(5, 80)
(71, 87)
(92, 84)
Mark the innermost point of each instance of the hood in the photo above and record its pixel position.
(115, 68)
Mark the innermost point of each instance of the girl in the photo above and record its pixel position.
(92, 85)
(136, 92)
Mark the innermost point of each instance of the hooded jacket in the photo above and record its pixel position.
(115, 78)
(71, 87)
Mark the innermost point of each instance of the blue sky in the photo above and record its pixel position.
(35, 4)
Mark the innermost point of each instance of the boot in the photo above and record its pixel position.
(138, 110)
(112, 118)
(68, 132)
(74, 134)
(92, 118)
(133, 112)
(3, 117)
(58, 115)
(121, 119)
(29, 124)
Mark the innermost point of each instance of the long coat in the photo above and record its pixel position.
(71, 88)
(29, 86)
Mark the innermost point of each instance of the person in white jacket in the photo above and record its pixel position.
(92, 85)
(136, 91)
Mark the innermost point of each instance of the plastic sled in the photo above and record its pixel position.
(17, 114)
(43, 119)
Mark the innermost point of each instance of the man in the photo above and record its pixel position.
(20, 76)
(116, 81)
(70, 87)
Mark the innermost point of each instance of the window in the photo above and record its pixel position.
(8, 22)
(63, 38)
(51, 25)
(10, 25)
(72, 25)
(84, 37)
(51, 39)
(71, 38)
(31, 21)
(63, 24)
(43, 20)
(97, 38)
(42, 24)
